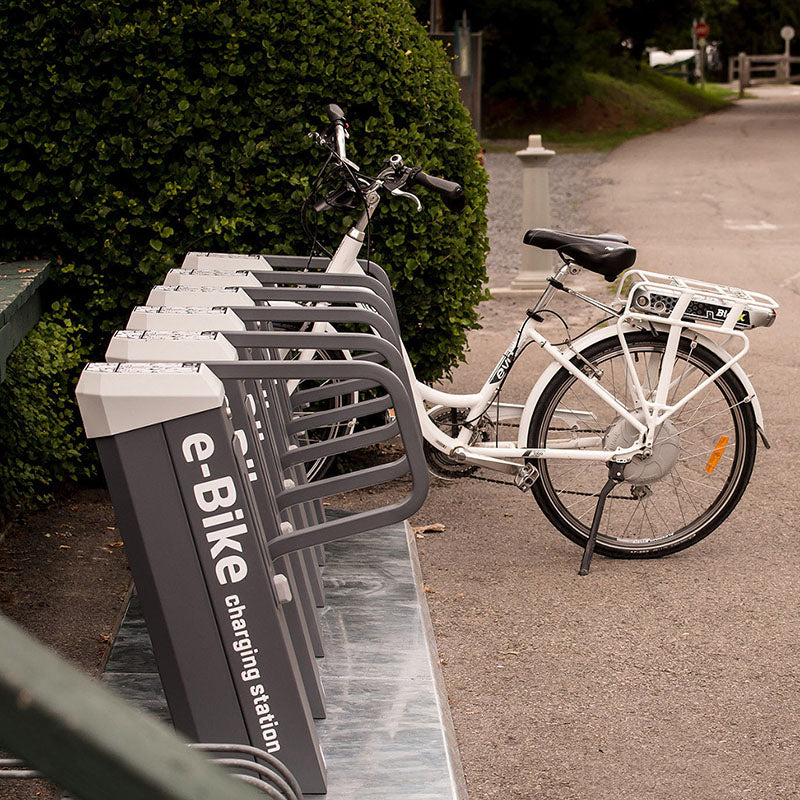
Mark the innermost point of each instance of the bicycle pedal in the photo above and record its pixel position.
(525, 478)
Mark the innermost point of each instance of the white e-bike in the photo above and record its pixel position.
(640, 438)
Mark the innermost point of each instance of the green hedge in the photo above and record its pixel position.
(132, 131)
(41, 441)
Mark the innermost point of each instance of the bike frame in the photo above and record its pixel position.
(652, 408)
(503, 456)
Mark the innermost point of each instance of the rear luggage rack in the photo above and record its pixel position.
(650, 294)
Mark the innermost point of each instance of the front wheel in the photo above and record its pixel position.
(318, 468)
(702, 457)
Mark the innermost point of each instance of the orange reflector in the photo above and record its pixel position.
(716, 454)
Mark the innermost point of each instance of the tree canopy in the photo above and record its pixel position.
(536, 50)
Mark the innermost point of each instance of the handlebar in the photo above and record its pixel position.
(336, 116)
(395, 177)
(451, 192)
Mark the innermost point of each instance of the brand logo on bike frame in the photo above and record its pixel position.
(505, 364)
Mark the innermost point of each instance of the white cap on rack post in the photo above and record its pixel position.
(116, 398)
(184, 318)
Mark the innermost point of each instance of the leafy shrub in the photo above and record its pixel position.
(41, 441)
(131, 132)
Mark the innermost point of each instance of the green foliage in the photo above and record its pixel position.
(752, 26)
(640, 23)
(131, 132)
(615, 109)
(627, 27)
(41, 442)
(537, 51)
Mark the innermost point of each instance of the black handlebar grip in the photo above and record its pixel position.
(451, 192)
(335, 113)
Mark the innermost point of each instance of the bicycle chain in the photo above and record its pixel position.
(511, 483)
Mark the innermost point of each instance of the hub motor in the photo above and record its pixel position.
(645, 469)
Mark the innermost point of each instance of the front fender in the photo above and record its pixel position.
(611, 333)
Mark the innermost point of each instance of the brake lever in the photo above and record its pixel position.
(412, 197)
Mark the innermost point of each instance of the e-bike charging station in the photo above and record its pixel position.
(244, 405)
(182, 495)
(271, 457)
(187, 677)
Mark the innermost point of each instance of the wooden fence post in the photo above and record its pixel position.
(743, 76)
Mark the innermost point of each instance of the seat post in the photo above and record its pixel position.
(547, 294)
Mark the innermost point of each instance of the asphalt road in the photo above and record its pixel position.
(674, 678)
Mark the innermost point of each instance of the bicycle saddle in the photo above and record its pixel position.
(607, 254)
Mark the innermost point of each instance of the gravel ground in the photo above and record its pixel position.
(569, 183)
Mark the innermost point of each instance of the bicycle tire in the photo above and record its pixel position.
(566, 491)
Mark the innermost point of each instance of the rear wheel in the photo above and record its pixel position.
(702, 457)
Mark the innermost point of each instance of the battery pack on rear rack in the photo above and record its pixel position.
(650, 293)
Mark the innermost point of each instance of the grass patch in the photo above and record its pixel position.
(612, 111)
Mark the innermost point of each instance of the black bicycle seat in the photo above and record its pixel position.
(606, 254)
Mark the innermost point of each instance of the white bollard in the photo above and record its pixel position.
(537, 265)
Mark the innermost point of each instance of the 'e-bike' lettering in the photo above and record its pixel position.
(211, 495)
(224, 528)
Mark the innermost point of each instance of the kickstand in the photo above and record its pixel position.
(615, 475)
